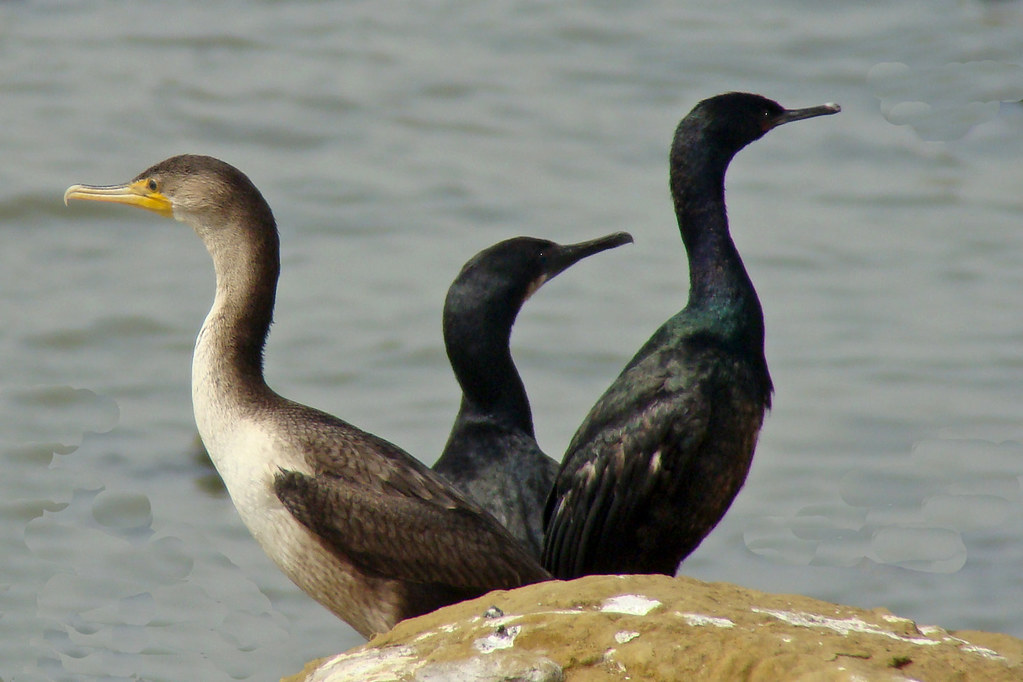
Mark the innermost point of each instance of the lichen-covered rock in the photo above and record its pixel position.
(655, 628)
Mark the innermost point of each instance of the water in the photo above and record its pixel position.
(396, 140)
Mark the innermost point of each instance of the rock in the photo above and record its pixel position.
(656, 628)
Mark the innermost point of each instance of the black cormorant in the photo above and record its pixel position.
(358, 524)
(492, 454)
(661, 456)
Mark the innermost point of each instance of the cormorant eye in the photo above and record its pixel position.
(151, 185)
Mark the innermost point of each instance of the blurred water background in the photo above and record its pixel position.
(396, 139)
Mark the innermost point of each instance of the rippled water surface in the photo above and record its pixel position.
(394, 140)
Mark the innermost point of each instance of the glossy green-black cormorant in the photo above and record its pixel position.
(661, 456)
(362, 527)
(492, 454)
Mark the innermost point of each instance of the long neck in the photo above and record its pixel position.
(719, 284)
(228, 360)
(478, 348)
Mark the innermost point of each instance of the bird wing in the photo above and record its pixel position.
(376, 506)
(652, 416)
(401, 538)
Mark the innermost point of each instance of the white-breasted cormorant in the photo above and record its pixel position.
(358, 524)
(492, 454)
(661, 456)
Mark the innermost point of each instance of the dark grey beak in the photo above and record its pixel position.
(790, 115)
(565, 256)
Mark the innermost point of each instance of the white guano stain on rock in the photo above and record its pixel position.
(371, 665)
(630, 604)
(969, 647)
(521, 666)
(699, 619)
(613, 665)
(503, 620)
(974, 649)
(889, 618)
(841, 625)
(503, 638)
(625, 636)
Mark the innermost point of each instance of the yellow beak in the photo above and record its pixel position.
(136, 193)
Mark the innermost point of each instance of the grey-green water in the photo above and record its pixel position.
(394, 140)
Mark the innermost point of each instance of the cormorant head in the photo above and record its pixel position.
(729, 122)
(511, 271)
(201, 191)
(494, 284)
